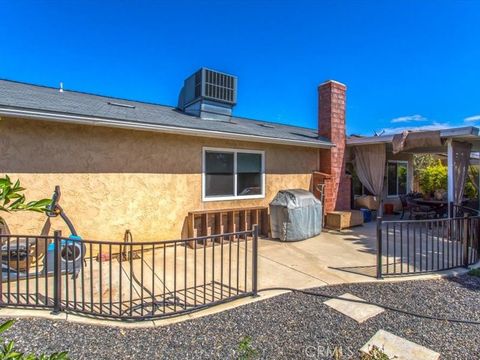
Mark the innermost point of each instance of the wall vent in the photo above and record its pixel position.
(209, 94)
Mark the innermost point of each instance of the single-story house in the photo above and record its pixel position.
(125, 164)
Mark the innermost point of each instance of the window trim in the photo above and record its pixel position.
(233, 197)
(405, 162)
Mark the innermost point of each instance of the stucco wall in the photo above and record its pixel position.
(114, 179)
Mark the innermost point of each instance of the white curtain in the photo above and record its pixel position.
(461, 162)
(369, 165)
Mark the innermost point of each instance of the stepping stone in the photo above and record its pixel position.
(356, 311)
(398, 347)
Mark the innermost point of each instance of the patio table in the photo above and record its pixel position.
(431, 202)
(439, 206)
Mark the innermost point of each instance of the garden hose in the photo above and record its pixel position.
(155, 304)
(387, 307)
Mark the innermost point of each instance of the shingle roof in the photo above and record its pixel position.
(17, 97)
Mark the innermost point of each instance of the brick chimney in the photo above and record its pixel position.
(331, 125)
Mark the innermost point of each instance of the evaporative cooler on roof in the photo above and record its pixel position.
(209, 94)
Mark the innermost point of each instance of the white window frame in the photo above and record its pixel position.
(234, 152)
(405, 162)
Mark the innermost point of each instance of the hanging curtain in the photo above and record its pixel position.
(461, 162)
(369, 165)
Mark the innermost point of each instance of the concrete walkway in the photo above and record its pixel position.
(318, 261)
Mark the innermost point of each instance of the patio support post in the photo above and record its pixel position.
(451, 182)
(57, 273)
(379, 247)
(255, 261)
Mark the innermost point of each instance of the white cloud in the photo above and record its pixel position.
(408, 118)
(433, 126)
(472, 118)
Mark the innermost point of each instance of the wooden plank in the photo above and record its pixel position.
(191, 225)
(254, 217)
(202, 231)
(191, 229)
(231, 221)
(218, 223)
(263, 226)
(227, 210)
(242, 220)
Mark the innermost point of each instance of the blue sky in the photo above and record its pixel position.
(405, 63)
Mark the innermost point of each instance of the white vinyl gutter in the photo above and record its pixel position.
(125, 124)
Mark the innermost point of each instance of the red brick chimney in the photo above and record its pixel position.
(331, 125)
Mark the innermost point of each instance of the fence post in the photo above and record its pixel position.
(255, 261)
(465, 240)
(379, 247)
(57, 273)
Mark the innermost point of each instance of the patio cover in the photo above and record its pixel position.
(408, 140)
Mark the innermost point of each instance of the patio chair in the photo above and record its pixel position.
(405, 205)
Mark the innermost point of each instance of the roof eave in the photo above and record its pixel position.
(124, 124)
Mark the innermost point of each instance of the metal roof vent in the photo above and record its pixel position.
(209, 94)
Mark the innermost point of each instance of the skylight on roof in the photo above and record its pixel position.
(121, 105)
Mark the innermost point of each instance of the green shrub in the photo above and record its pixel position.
(474, 272)
(433, 177)
(471, 189)
(245, 349)
(375, 353)
(8, 351)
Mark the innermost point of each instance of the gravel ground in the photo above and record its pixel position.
(290, 326)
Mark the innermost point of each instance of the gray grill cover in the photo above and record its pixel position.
(295, 214)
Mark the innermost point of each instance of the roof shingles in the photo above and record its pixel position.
(21, 96)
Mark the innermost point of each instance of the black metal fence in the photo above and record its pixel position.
(418, 246)
(127, 280)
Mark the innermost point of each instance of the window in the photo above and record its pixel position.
(397, 178)
(232, 174)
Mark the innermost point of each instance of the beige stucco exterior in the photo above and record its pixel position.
(115, 179)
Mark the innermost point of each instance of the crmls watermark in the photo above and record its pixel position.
(329, 352)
